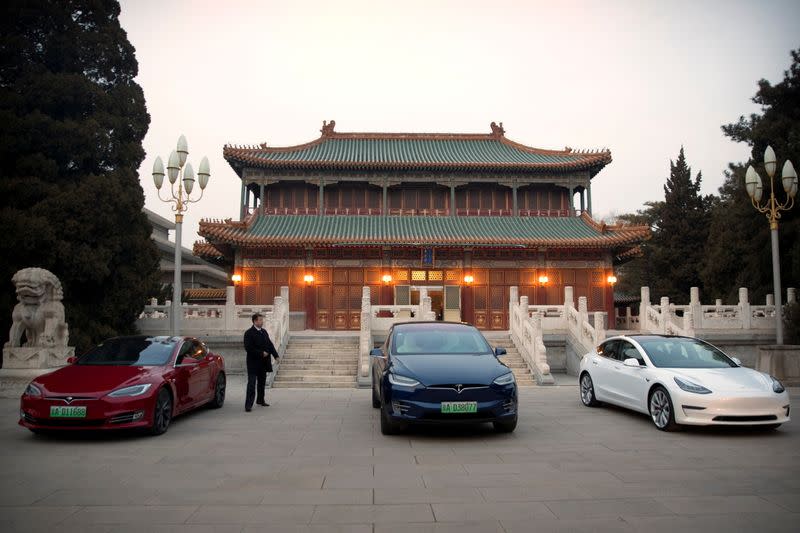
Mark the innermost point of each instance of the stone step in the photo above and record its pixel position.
(319, 370)
(292, 350)
(312, 385)
(337, 346)
(286, 363)
(315, 377)
(300, 375)
(301, 357)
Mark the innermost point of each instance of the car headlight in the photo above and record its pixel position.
(32, 390)
(135, 390)
(505, 379)
(777, 386)
(402, 381)
(688, 386)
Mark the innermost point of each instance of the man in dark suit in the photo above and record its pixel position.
(259, 348)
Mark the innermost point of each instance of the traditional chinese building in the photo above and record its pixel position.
(464, 215)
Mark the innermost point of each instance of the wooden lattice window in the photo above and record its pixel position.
(417, 275)
(434, 275)
(340, 297)
(402, 295)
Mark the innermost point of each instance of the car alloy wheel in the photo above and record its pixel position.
(587, 391)
(661, 410)
(162, 415)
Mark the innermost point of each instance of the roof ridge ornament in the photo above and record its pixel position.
(497, 131)
(327, 128)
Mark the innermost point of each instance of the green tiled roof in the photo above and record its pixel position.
(333, 230)
(409, 150)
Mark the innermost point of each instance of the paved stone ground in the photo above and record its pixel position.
(316, 461)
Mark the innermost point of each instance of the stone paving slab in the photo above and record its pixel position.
(316, 461)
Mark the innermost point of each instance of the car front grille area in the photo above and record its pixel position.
(458, 387)
(64, 422)
(764, 418)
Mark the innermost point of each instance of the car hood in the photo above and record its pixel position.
(449, 369)
(726, 379)
(93, 380)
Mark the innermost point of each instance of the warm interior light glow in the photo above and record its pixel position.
(543, 279)
(308, 278)
(612, 279)
(387, 278)
(236, 278)
(468, 279)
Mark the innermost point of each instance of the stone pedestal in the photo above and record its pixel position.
(22, 364)
(782, 362)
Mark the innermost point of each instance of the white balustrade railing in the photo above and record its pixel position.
(527, 336)
(585, 336)
(220, 320)
(696, 318)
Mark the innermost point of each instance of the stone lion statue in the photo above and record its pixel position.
(39, 313)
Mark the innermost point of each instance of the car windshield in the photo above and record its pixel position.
(130, 351)
(439, 340)
(684, 353)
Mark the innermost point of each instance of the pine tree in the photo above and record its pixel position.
(72, 120)
(739, 250)
(677, 248)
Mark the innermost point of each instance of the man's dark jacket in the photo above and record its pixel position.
(255, 344)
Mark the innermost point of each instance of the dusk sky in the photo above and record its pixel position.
(640, 77)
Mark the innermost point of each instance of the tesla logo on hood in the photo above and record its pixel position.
(459, 388)
(68, 399)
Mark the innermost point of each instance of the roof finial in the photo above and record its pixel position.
(497, 131)
(327, 127)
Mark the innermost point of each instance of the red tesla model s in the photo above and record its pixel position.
(126, 382)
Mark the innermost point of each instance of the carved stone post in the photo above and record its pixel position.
(643, 305)
(745, 314)
(599, 330)
(791, 295)
(664, 314)
(569, 297)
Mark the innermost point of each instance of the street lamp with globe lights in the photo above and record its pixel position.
(772, 209)
(178, 170)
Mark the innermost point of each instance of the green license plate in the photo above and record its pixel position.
(459, 407)
(58, 411)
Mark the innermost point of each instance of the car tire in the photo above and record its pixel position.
(586, 389)
(388, 427)
(661, 410)
(162, 412)
(376, 401)
(219, 392)
(505, 426)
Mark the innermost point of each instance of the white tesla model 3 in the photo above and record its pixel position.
(680, 380)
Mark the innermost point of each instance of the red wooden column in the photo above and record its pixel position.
(609, 300)
(310, 302)
(467, 301)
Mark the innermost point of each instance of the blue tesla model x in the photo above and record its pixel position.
(438, 373)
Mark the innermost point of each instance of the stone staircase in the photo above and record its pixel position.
(318, 361)
(514, 361)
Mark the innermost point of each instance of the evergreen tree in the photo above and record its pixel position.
(676, 250)
(739, 249)
(72, 120)
(637, 272)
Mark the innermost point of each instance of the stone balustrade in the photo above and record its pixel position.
(220, 320)
(696, 318)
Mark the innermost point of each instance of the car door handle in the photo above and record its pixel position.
(594, 362)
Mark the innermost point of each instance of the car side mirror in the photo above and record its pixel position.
(632, 362)
(737, 361)
(72, 360)
(499, 351)
(376, 352)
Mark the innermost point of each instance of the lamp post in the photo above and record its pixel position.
(772, 209)
(178, 170)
